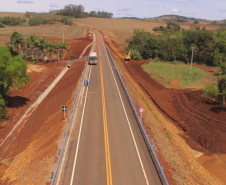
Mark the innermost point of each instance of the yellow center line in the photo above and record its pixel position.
(107, 149)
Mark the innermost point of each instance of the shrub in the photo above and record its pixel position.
(168, 135)
(2, 108)
(1, 25)
(211, 91)
(73, 56)
(135, 55)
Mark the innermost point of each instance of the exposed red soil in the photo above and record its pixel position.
(187, 24)
(202, 120)
(35, 146)
(44, 127)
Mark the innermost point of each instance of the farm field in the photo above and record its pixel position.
(121, 29)
(12, 14)
(55, 30)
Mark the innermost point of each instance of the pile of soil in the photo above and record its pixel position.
(202, 120)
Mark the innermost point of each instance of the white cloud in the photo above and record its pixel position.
(174, 10)
(184, 0)
(25, 2)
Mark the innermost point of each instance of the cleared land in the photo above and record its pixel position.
(121, 29)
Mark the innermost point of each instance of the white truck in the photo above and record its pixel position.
(93, 58)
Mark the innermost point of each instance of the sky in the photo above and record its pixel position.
(205, 9)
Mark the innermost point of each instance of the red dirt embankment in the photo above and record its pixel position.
(36, 145)
(203, 120)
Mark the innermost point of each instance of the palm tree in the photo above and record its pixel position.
(57, 48)
(29, 48)
(31, 41)
(63, 46)
(42, 45)
(17, 39)
(51, 49)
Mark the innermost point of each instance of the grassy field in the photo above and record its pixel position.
(178, 75)
(121, 29)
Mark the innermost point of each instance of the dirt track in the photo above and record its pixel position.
(202, 120)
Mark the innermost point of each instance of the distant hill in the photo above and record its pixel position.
(132, 18)
(178, 18)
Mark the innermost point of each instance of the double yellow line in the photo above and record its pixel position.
(107, 150)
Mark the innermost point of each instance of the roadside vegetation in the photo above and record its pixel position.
(209, 46)
(13, 67)
(33, 48)
(209, 49)
(12, 75)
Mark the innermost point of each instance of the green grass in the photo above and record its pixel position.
(168, 135)
(169, 75)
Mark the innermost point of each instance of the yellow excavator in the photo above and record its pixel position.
(128, 57)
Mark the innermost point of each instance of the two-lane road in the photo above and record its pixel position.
(107, 146)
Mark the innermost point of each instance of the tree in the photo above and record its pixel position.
(151, 48)
(42, 45)
(17, 40)
(63, 46)
(31, 40)
(51, 49)
(12, 71)
(222, 88)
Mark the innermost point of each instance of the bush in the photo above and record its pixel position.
(2, 25)
(211, 91)
(73, 56)
(2, 108)
(135, 55)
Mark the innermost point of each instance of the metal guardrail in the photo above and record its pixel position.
(138, 118)
(69, 124)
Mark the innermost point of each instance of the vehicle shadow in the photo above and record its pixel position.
(15, 101)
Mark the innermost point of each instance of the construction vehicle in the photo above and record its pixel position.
(128, 57)
(93, 58)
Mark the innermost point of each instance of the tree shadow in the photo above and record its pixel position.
(15, 101)
(218, 109)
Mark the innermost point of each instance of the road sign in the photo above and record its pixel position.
(64, 108)
(141, 110)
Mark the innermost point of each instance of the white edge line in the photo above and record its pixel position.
(128, 121)
(68, 141)
(76, 153)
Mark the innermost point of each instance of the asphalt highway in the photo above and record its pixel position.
(106, 146)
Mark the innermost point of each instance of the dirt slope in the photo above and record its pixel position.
(174, 154)
(35, 148)
(201, 119)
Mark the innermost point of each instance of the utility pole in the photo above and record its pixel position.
(191, 59)
(63, 34)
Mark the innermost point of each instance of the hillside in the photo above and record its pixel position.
(121, 29)
(184, 19)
